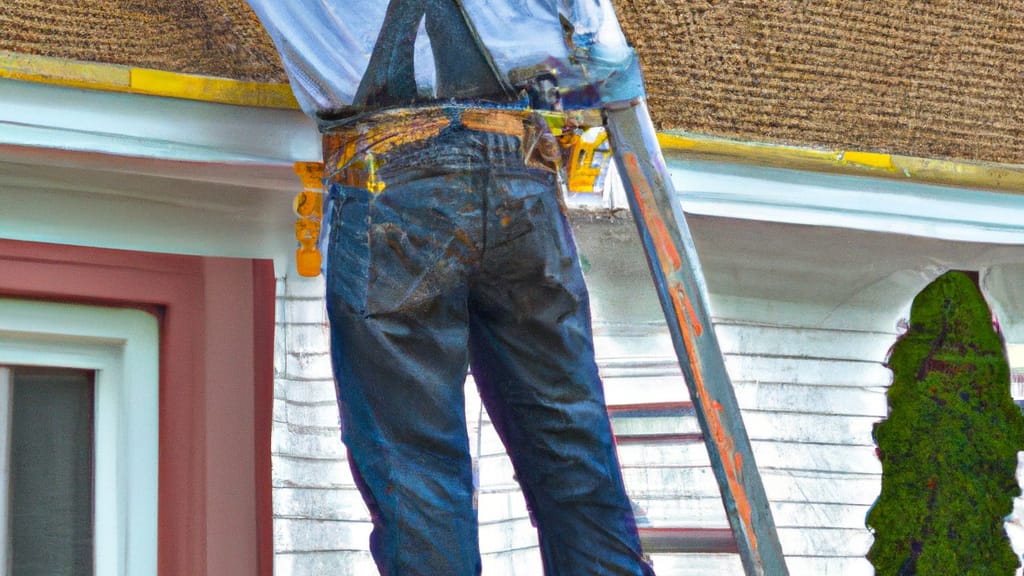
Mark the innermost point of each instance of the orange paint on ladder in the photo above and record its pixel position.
(670, 262)
(659, 233)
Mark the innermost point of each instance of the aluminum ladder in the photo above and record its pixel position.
(682, 292)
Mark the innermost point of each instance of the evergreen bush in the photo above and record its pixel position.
(949, 446)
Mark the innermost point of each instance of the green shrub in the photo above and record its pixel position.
(949, 446)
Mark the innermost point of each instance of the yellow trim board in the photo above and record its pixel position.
(210, 89)
(982, 175)
(115, 78)
(64, 72)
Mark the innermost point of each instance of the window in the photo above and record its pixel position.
(48, 437)
(205, 349)
(78, 439)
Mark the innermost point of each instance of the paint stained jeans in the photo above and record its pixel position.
(447, 251)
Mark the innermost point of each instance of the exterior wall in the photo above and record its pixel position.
(320, 523)
(170, 178)
(809, 397)
(811, 394)
(1003, 287)
(806, 314)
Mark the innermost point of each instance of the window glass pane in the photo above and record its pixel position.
(52, 472)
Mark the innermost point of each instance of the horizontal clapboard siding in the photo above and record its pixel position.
(810, 398)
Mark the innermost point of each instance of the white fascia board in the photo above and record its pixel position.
(853, 202)
(62, 118)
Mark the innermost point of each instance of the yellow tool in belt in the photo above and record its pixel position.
(586, 151)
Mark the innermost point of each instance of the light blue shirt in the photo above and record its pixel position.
(326, 46)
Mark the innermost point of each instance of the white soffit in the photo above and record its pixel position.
(860, 203)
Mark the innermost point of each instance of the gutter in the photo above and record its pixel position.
(960, 173)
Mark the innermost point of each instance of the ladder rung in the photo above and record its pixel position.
(658, 438)
(688, 541)
(658, 412)
(672, 540)
(681, 408)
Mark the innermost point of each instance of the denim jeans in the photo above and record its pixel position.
(452, 251)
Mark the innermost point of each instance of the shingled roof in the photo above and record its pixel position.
(929, 79)
(932, 79)
(209, 37)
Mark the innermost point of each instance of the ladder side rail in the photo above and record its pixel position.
(682, 291)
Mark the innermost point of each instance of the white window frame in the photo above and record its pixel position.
(121, 346)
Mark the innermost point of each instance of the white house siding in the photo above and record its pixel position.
(809, 398)
(320, 523)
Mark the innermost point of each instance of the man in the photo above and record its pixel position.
(447, 247)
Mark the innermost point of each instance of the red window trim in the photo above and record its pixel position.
(210, 310)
